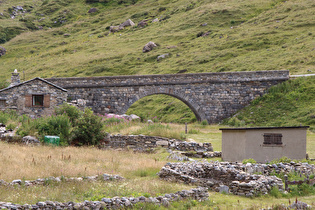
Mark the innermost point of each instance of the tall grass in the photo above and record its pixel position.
(19, 161)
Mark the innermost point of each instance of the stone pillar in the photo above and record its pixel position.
(15, 78)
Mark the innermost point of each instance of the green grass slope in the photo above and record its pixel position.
(291, 103)
(59, 38)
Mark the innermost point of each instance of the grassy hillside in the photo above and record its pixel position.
(54, 38)
(289, 104)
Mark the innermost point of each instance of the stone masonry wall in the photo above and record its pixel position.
(211, 96)
(237, 178)
(216, 175)
(143, 143)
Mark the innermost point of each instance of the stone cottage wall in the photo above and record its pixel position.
(15, 98)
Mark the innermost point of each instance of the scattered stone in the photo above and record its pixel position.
(134, 117)
(92, 10)
(2, 51)
(204, 24)
(67, 35)
(148, 47)
(114, 29)
(142, 23)
(127, 23)
(182, 71)
(30, 140)
(224, 189)
(160, 57)
(162, 143)
(299, 205)
(155, 20)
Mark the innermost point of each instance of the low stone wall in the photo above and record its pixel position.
(267, 169)
(143, 143)
(45, 181)
(199, 194)
(220, 176)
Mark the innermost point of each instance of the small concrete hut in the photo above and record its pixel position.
(263, 144)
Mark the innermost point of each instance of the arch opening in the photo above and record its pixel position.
(163, 108)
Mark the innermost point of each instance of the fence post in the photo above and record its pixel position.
(286, 186)
(185, 128)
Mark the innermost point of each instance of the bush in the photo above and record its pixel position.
(250, 160)
(89, 129)
(71, 111)
(204, 122)
(59, 125)
(8, 115)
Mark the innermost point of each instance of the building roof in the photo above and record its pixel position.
(36, 78)
(260, 128)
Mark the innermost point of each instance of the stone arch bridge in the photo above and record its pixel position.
(211, 96)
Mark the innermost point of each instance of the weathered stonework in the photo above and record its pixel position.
(211, 96)
(144, 143)
(19, 97)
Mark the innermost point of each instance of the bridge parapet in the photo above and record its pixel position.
(169, 79)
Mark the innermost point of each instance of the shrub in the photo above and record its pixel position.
(8, 115)
(71, 111)
(250, 160)
(281, 160)
(193, 131)
(59, 125)
(89, 129)
(275, 192)
(204, 122)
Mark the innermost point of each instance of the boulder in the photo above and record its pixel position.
(92, 10)
(142, 24)
(127, 23)
(149, 46)
(155, 20)
(134, 117)
(114, 29)
(162, 143)
(30, 140)
(2, 51)
(160, 57)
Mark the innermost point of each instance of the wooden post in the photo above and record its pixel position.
(286, 186)
(185, 128)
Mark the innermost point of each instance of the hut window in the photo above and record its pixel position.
(38, 100)
(273, 138)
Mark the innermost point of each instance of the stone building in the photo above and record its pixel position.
(36, 97)
(263, 144)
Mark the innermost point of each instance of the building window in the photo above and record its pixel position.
(38, 100)
(2, 103)
(273, 139)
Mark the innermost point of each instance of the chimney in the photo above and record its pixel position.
(15, 78)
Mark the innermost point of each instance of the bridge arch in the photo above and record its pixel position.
(194, 107)
(211, 96)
